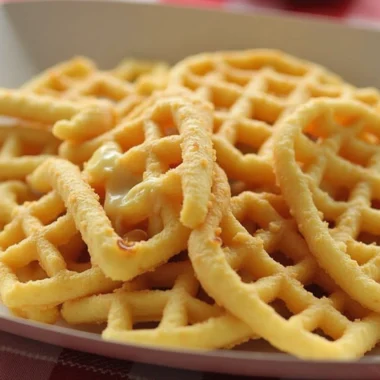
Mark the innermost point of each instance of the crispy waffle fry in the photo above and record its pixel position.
(134, 226)
(71, 120)
(131, 131)
(23, 147)
(148, 76)
(131, 70)
(59, 80)
(252, 91)
(172, 131)
(80, 79)
(139, 186)
(168, 298)
(327, 161)
(42, 257)
(12, 195)
(252, 260)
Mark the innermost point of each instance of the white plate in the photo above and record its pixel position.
(35, 35)
(256, 359)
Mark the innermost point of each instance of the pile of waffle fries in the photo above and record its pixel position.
(233, 196)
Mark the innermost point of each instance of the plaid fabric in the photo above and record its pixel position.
(22, 359)
(345, 9)
(26, 359)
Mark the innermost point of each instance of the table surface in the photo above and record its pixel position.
(26, 359)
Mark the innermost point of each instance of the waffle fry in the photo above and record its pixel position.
(332, 186)
(163, 181)
(71, 120)
(171, 131)
(80, 79)
(250, 257)
(58, 80)
(141, 226)
(148, 76)
(22, 285)
(252, 91)
(183, 319)
(23, 145)
(22, 148)
(12, 194)
(41, 256)
(130, 131)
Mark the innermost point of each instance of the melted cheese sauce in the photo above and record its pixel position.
(103, 169)
(128, 200)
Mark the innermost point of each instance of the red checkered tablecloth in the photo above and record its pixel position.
(347, 9)
(26, 359)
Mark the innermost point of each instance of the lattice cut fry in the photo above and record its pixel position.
(252, 91)
(327, 158)
(12, 195)
(147, 76)
(168, 131)
(38, 314)
(42, 256)
(252, 260)
(139, 192)
(71, 120)
(23, 147)
(79, 79)
(58, 79)
(167, 297)
(131, 70)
